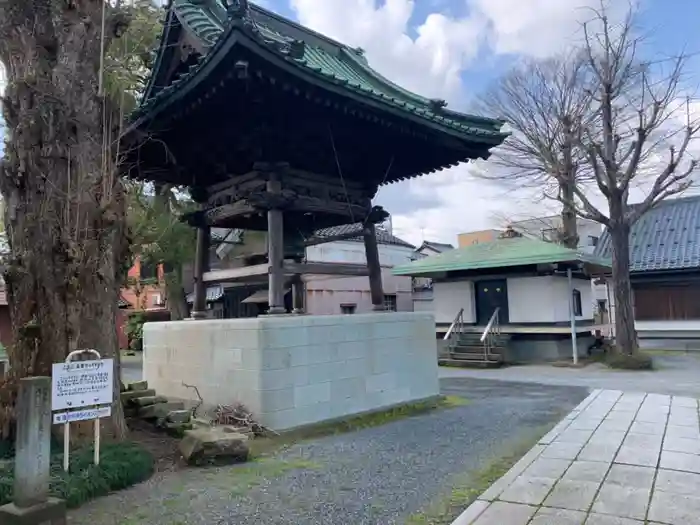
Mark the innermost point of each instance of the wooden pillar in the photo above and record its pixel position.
(201, 265)
(369, 235)
(275, 251)
(298, 294)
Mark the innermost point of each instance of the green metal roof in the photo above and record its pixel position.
(500, 253)
(323, 57)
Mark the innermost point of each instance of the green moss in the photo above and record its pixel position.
(121, 465)
(464, 489)
(454, 401)
(638, 361)
(263, 446)
(239, 480)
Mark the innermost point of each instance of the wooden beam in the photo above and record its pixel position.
(201, 265)
(231, 274)
(275, 249)
(321, 268)
(227, 211)
(373, 267)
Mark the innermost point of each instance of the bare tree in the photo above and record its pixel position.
(543, 103)
(639, 137)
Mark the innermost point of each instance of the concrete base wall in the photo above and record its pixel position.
(296, 370)
(533, 349)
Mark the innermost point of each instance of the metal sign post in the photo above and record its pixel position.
(81, 384)
(572, 316)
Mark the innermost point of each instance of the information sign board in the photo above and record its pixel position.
(78, 384)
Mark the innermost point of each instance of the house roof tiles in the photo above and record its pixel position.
(667, 237)
(383, 236)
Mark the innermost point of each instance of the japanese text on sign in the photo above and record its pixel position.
(79, 384)
(82, 415)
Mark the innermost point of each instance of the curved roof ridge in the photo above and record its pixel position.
(299, 27)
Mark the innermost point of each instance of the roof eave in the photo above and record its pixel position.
(238, 33)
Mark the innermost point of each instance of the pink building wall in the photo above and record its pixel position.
(325, 295)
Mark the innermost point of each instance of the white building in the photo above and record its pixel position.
(521, 283)
(589, 234)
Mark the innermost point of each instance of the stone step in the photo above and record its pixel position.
(160, 410)
(469, 363)
(475, 357)
(149, 400)
(135, 386)
(128, 396)
(464, 349)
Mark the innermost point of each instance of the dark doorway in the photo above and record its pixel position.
(489, 296)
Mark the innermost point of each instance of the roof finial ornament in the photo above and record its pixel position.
(436, 104)
(510, 233)
(297, 49)
(237, 8)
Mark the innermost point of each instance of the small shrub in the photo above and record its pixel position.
(121, 465)
(134, 331)
(638, 361)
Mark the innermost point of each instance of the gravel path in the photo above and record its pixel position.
(378, 475)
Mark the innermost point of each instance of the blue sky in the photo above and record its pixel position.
(670, 26)
(454, 49)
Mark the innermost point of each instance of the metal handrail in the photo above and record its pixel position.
(492, 321)
(454, 324)
(455, 329)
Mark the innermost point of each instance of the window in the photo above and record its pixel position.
(576, 298)
(592, 240)
(348, 308)
(148, 271)
(157, 299)
(390, 303)
(602, 305)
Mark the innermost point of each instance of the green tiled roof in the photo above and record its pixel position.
(329, 60)
(500, 253)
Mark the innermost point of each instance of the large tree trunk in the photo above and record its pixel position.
(569, 231)
(65, 213)
(175, 295)
(625, 333)
(567, 185)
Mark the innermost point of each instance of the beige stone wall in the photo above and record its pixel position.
(296, 370)
(469, 238)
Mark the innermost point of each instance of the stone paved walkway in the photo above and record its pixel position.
(616, 459)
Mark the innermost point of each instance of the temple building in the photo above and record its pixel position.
(277, 129)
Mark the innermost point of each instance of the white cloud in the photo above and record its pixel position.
(432, 64)
(429, 64)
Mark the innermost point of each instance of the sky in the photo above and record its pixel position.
(455, 49)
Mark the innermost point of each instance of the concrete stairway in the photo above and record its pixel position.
(469, 351)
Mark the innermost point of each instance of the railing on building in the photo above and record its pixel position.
(491, 334)
(456, 328)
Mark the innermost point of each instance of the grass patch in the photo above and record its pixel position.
(466, 488)
(239, 480)
(454, 401)
(264, 446)
(121, 465)
(642, 360)
(638, 361)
